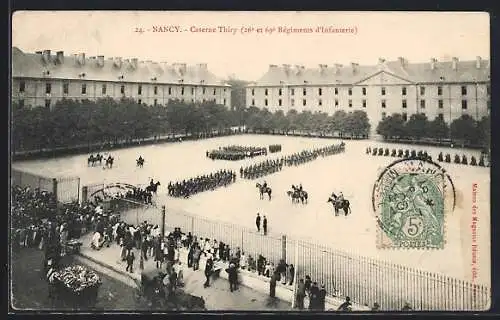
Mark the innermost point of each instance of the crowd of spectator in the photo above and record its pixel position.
(37, 220)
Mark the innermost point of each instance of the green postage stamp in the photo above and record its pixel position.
(411, 199)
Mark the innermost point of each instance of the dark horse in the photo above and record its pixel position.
(263, 190)
(109, 162)
(298, 195)
(153, 187)
(140, 162)
(93, 159)
(345, 205)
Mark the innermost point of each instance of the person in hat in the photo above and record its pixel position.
(322, 297)
(272, 285)
(232, 272)
(300, 295)
(51, 272)
(208, 270)
(314, 297)
(264, 225)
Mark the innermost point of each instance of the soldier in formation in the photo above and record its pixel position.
(202, 183)
(235, 152)
(261, 169)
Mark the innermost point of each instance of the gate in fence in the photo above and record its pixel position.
(66, 189)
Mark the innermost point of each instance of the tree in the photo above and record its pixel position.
(417, 126)
(357, 123)
(464, 129)
(437, 129)
(392, 126)
(484, 132)
(338, 123)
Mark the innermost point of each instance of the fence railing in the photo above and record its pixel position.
(66, 189)
(365, 280)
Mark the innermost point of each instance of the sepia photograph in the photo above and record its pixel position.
(230, 161)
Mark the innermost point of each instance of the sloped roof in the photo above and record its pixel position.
(32, 65)
(466, 71)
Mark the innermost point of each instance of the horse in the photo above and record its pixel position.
(345, 205)
(298, 195)
(109, 162)
(140, 162)
(263, 190)
(93, 159)
(153, 187)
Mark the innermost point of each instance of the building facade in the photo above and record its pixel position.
(42, 79)
(436, 89)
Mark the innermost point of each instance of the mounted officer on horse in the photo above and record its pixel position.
(140, 162)
(264, 188)
(339, 202)
(298, 194)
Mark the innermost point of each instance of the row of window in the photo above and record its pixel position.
(155, 102)
(382, 103)
(363, 91)
(48, 89)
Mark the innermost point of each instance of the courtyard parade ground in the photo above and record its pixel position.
(353, 173)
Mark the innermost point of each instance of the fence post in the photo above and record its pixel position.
(295, 271)
(283, 247)
(54, 187)
(78, 190)
(192, 225)
(85, 193)
(163, 222)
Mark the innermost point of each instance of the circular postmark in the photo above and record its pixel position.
(410, 199)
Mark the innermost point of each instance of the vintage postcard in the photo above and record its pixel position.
(189, 161)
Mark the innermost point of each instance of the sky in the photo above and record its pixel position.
(251, 41)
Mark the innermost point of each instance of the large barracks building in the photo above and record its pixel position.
(436, 89)
(43, 78)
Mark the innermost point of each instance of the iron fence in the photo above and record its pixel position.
(365, 280)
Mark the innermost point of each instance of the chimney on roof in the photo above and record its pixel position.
(135, 62)
(354, 67)
(381, 60)
(60, 57)
(81, 59)
(46, 56)
(202, 66)
(117, 62)
(338, 66)
(402, 61)
(273, 66)
(478, 62)
(433, 63)
(454, 63)
(180, 68)
(323, 68)
(100, 61)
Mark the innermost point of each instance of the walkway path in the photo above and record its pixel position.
(217, 296)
